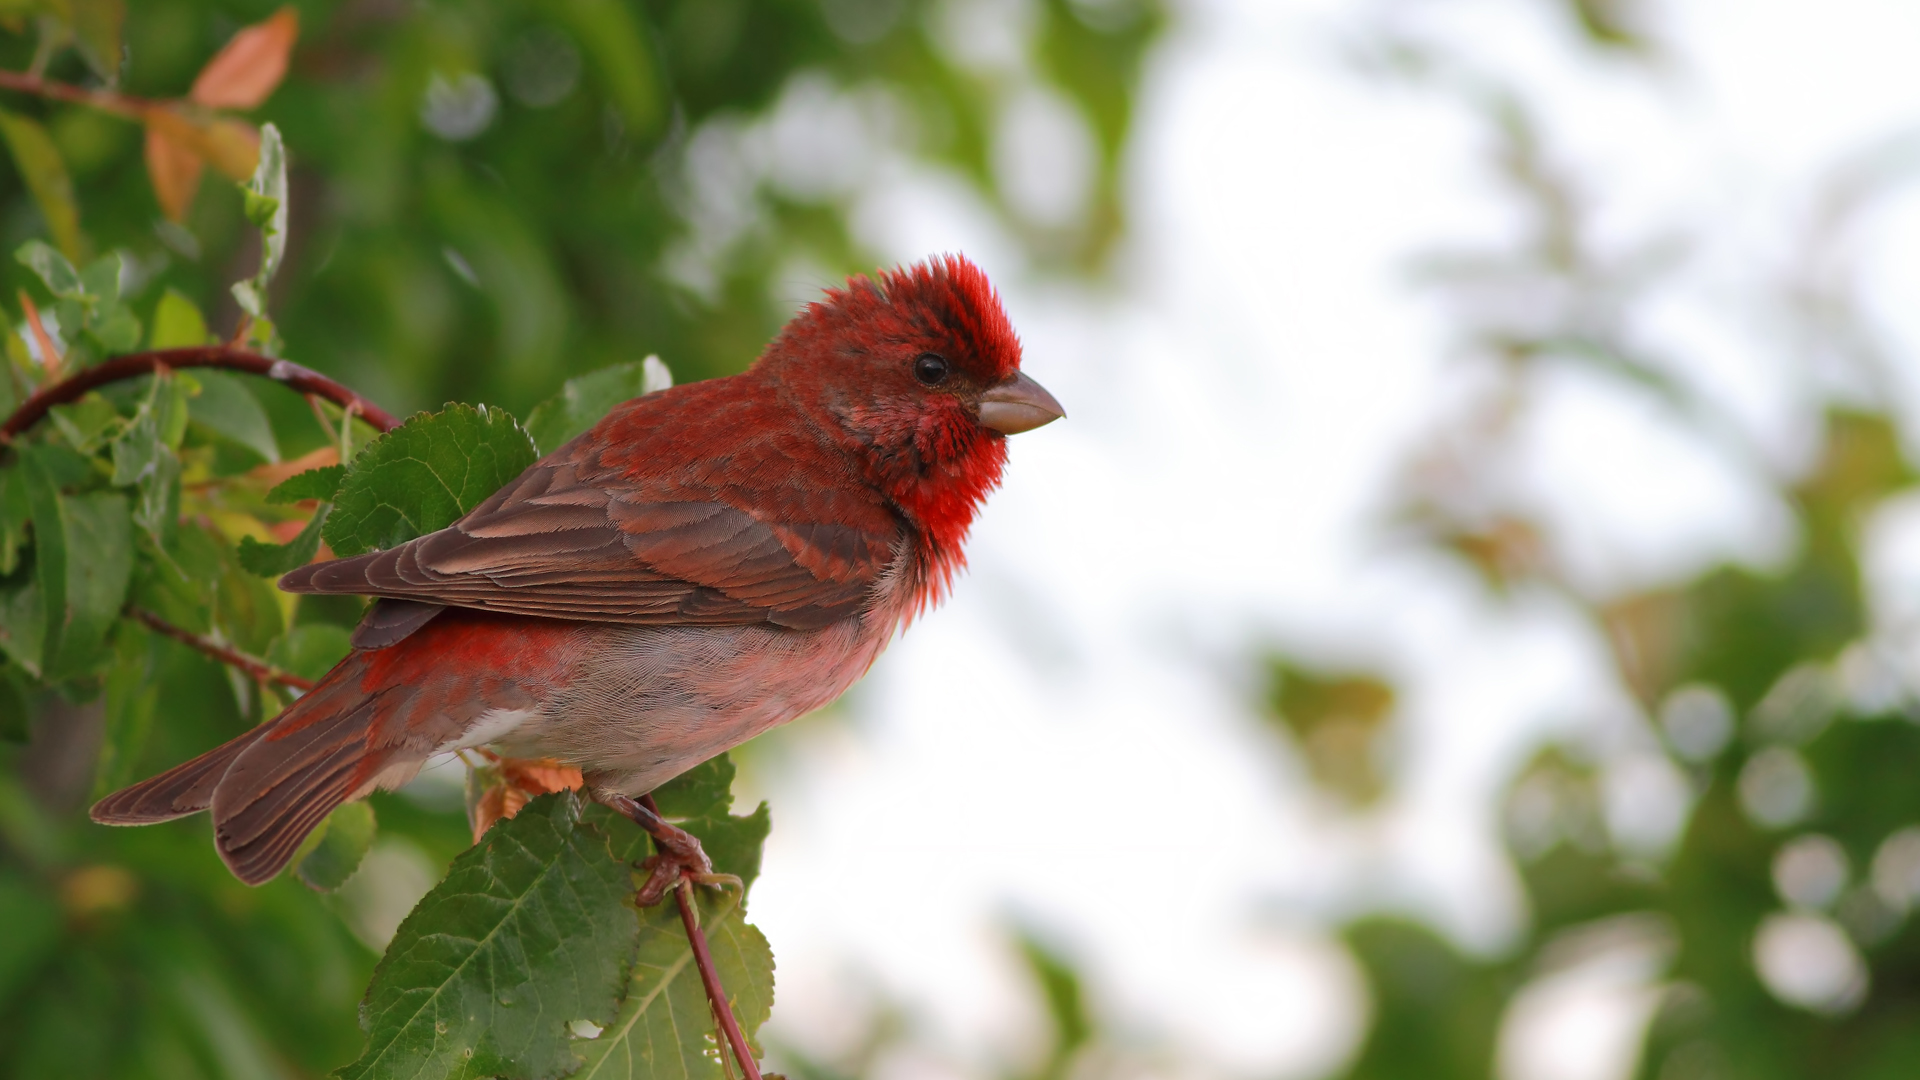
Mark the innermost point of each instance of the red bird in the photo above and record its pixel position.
(705, 563)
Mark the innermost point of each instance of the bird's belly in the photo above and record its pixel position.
(644, 704)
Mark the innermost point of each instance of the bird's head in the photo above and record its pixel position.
(921, 370)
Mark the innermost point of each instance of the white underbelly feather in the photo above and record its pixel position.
(647, 703)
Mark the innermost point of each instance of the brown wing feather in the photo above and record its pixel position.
(570, 538)
(283, 785)
(187, 788)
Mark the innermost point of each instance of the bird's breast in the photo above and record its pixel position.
(645, 704)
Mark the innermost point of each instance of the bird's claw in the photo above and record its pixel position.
(679, 857)
(677, 854)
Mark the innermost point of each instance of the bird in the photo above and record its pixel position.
(703, 564)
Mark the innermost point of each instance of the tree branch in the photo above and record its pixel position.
(125, 105)
(260, 670)
(709, 977)
(134, 365)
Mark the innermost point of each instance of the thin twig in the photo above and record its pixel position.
(709, 977)
(134, 365)
(119, 104)
(260, 670)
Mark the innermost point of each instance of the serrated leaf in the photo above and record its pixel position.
(228, 408)
(702, 791)
(700, 801)
(343, 841)
(45, 175)
(666, 1028)
(320, 483)
(423, 475)
(272, 560)
(177, 322)
(83, 547)
(583, 400)
(530, 931)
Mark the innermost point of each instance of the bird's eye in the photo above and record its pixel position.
(930, 369)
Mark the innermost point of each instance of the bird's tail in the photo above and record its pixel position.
(269, 787)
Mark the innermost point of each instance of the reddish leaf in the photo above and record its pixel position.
(515, 782)
(231, 146)
(49, 356)
(241, 75)
(175, 171)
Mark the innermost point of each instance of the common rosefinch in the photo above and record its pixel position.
(705, 563)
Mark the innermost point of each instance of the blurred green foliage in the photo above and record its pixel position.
(484, 199)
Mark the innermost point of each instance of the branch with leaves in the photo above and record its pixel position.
(150, 492)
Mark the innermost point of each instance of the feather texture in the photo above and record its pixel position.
(702, 564)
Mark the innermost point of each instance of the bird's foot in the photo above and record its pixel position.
(677, 854)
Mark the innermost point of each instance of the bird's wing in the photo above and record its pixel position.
(563, 540)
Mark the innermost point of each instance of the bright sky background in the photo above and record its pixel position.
(1068, 743)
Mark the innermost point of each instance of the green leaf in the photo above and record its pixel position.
(226, 407)
(702, 791)
(45, 176)
(116, 329)
(23, 626)
(246, 608)
(666, 1027)
(584, 400)
(700, 801)
(266, 207)
(343, 840)
(272, 560)
(86, 423)
(320, 483)
(53, 269)
(131, 697)
(100, 281)
(530, 932)
(143, 456)
(15, 718)
(311, 650)
(177, 323)
(423, 475)
(14, 516)
(616, 40)
(259, 209)
(96, 29)
(83, 545)
(251, 298)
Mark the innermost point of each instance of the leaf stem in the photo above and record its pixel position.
(260, 670)
(709, 977)
(134, 365)
(125, 105)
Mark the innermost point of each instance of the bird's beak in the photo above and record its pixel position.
(1018, 404)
